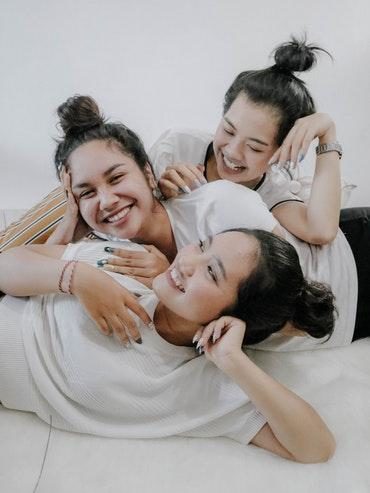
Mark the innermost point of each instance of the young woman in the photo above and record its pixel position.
(268, 119)
(55, 363)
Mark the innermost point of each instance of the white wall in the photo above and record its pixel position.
(162, 63)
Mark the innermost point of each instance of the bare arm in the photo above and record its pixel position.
(294, 430)
(318, 221)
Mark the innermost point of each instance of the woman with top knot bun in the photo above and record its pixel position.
(269, 121)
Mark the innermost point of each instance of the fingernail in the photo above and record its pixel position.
(185, 189)
(151, 325)
(139, 341)
(200, 350)
(195, 338)
(101, 262)
(203, 181)
(300, 156)
(200, 343)
(109, 249)
(214, 339)
(197, 183)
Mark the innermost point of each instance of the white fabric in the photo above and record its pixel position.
(90, 383)
(215, 207)
(189, 146)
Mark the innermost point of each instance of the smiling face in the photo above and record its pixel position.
(113, 195)
(203, 280)
(245, 141)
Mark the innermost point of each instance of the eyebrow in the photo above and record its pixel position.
(254, 139)
(105, 174)
(218, 260)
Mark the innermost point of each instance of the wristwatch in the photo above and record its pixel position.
(333, 146)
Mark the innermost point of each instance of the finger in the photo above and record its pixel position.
(104, 327)
(274, 159)
(286, 147)
(129, 271)
(129, 327)
(206, 335)
(296, 145)
(119, 329)
(174, 177)
(168, 189)
(191, 173)
(135, 262)
(154, 250)
(135, 307)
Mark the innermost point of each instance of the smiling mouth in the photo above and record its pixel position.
(114, 218)
(176, 279)
(232, 166)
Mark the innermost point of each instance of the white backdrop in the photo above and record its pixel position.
(160, 63)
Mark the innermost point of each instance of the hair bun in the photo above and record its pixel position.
(79, 113)
(296, 55)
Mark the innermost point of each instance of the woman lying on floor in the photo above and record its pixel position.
(55, 363)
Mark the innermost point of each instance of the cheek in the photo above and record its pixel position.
(87, 208)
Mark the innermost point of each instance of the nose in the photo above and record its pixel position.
(107, 199)
(235, 149)
(187, 264)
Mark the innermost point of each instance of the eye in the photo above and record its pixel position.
(228, 131)
(201, 245)
(211, 273)
(116, 178)
(86, 194)
(254, 150)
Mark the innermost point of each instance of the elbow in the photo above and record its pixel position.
(324, 454)
(322, 237)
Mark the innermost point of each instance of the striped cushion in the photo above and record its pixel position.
(37, 224)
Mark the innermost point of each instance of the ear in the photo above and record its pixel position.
(148, 172)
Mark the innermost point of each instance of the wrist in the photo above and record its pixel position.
(329, 136)
(230, 363)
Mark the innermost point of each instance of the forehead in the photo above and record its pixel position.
(96, 157)
(237, 251)
(251, 117)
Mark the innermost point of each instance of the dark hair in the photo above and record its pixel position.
(82, 122)
(276, 292)
(278, 87)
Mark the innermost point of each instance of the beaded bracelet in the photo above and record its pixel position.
(62, 275)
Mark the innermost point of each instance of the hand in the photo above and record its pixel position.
(181, 178)
(305, 130)
(142, 266)
(221, 339)
(72, 227)
(107, 303)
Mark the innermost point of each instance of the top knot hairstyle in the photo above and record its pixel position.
(81, 122)
(278, 87)
(276, 292)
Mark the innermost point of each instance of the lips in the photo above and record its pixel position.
(174, 279)
(230, 166)
(118, 216)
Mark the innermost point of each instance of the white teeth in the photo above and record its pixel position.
(176, 279)
(120, 215)
(231, 165)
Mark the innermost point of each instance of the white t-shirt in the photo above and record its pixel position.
(88, 382)
(214, 207)
(189, 146)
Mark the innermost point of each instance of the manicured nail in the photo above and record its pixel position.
(200, 350)
(203, 180)
(196, 338)
(214, 338)
(185, 189)
(151, 325)
(101, 262)
(197, 183)
(300, 156)
(139, 341)
(109, 249)
(200, 343)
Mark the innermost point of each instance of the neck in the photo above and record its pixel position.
(157, 231)
(173, 328)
